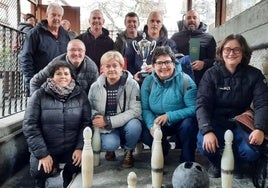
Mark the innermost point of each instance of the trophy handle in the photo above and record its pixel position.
(134, 44)
(153, 45)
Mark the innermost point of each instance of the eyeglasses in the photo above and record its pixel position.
(228, 50)
(161, 63)
(76, 50)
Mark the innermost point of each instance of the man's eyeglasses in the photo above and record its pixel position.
(161, 63)
(76, 50)
(228, 50)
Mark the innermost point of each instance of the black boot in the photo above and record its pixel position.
(39, 183)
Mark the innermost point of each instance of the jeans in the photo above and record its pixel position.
(243, 151)
(126, 136)
(185, 130)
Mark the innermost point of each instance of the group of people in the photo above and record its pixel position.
(93, 81)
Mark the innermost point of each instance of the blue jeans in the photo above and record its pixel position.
(185, 130)
(243, 151)
(126, 136)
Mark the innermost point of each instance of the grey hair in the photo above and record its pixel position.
(55, 6)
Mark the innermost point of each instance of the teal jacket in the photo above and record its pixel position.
(168, 97)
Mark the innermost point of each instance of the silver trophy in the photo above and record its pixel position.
(144, 48)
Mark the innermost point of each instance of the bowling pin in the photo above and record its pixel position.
(132, 180)
(155, 126)
(157, 160)
(227, 161)
(87, 159)
(96, 145)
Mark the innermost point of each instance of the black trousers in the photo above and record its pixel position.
(68, 171)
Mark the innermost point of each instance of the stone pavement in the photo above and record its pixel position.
(111, 175)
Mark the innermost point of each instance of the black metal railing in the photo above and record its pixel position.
(12, 98)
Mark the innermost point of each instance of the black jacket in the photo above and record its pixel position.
(96, 47)
(222, 95)
(39, 48)
(207, 46)
(86, 74)
(52, 126)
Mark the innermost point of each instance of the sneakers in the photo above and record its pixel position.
(214, 171)
(110, 156)
(128, 160)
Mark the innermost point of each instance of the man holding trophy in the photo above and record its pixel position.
(139, 54)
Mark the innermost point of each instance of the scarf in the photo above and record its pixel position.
(61, 92)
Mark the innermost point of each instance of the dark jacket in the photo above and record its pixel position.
(96, 47)
(122, 42)
(25, 27)
(134, 61)
(39, 48)
(86, 73)
(207, 46)
(52, 126)
(222, 95)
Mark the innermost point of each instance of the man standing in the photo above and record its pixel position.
(125, 38)
(154, 30)
(44, 42)
(194, 29)
(96, 38)
(85, 69)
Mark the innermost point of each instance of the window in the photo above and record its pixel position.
(235, 7)
(206, 11)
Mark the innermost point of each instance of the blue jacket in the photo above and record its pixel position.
(168, 97)
(39, 48)
(134, 61)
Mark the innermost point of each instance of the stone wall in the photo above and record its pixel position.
(253, 25)
(13, 147)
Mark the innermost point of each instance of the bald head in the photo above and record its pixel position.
(154, 14)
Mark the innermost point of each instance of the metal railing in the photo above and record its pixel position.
(12, 98)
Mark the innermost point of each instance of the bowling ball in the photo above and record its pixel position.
(190, 175)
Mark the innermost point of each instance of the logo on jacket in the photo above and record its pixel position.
(225, 88)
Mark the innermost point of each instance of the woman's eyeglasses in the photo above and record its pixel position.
(161, 63)
(228, 50)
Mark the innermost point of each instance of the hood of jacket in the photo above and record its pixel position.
(201, 29)
(163, 31)
(43, 25)
(105, 32)
(126, 75)
(24, 27)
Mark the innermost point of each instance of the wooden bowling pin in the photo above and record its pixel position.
(96, 145)
(227, 161)
(132, 180)
(157, 160)
(87, 159)
(155, 126)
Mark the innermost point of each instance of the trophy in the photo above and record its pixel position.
(144, 48)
